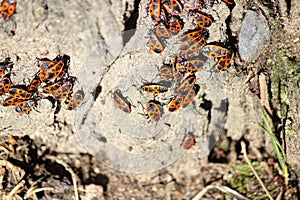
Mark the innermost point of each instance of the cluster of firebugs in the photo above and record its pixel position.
(165, 14)
(51, 82)
(193, 52)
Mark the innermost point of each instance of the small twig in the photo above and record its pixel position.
(264, 96)
(69, 169)
(16, 188)
(253, 170)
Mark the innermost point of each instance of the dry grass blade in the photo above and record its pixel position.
(16, 189)
(253, 170)
(32, 191)
(69, 169)
(222, 188)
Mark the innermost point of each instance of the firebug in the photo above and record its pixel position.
(188, 141)
(154, 110)
(121, 102)
(75, 100)
(8, 8)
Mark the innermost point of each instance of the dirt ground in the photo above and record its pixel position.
(100, 152)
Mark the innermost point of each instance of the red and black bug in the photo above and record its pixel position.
(214, 51)
(121, 102)
(53, 69)
(188, 141)
(8, 8)
(175, 104)
(202, 20)
(25, 106)
(154, 88)
(154, 10)
(51, 87)
(64, 90)
(224, 61)
(34, 84)
(175, 25)
(52, 72)
(11, 101)
(154, 110)
(45, 63)
(5, 84)
(173, 7)
(166, 72)
(19, 92)
(191, 43)
(190, 96)
(194, 64)
(75, 100)
(161, 31)
(186, 85)
(155, 43)
(177, 75)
